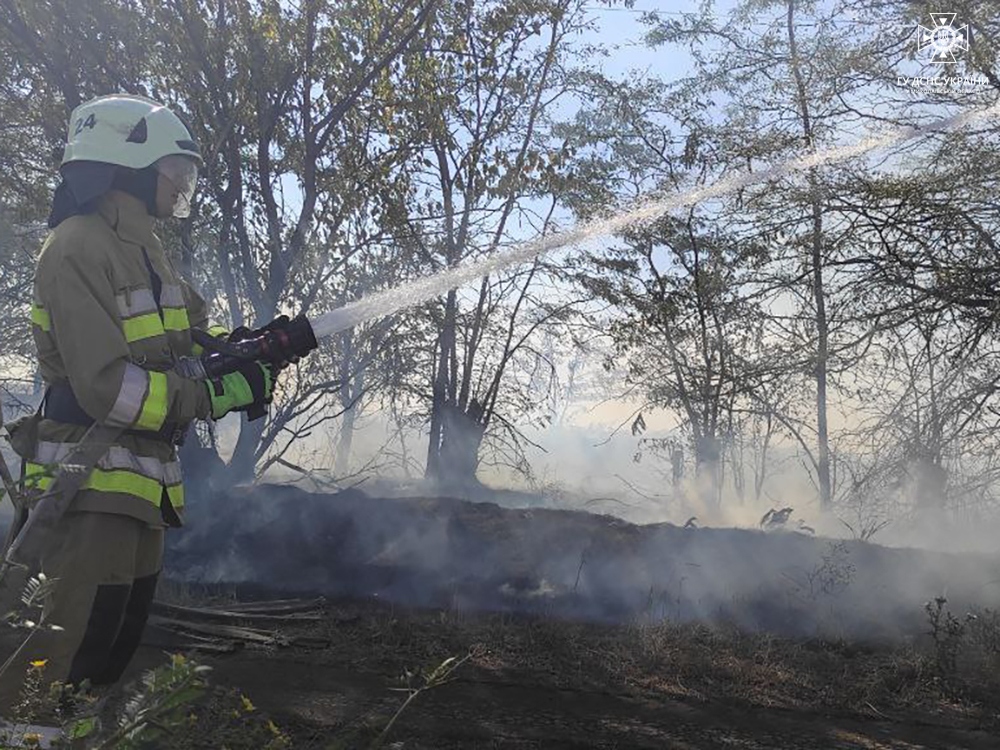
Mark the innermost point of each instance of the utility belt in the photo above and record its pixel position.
(60, 405)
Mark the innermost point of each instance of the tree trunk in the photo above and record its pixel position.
(930, 482)
(822, 357)
(677, 465)
(708, 466)
(819, 292)
(344, 442)
(463, 436)
(350, 392)
(203, 469)
(244, 461)
(822, 349)
(440, 400)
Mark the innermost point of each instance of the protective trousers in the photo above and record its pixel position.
(106, 566)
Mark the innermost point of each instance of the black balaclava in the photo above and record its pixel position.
(140, 183)
(84, 182)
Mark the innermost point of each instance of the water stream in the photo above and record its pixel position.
(388, 301)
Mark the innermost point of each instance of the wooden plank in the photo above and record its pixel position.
(250, 635)
(309, 642)
(157, 637)
(279, 606)
(225, 615)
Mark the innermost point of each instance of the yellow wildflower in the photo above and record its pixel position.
(248, 706)
(38, 664)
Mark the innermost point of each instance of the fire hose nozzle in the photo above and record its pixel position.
(280, 342)
(291, 341)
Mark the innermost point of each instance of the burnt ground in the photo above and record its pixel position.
(539, 682)
(590, 632)
(582, 631)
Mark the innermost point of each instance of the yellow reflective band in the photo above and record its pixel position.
(154, 407)
(40, 317)
(118, 481)
(125, 483)
(175, 319)
(142, 327)
(38, 476)
(103, 480)
(176, 495)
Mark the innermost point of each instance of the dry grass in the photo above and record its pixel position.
(643, 662)
(187, 594)
(691, 661)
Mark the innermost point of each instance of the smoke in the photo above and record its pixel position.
(580, 542)
(440, 552)
(591, 466)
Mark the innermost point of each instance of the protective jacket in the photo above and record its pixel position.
(110, 318)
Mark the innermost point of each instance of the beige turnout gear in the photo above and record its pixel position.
(106, 566)
(97, 327)
(110, 319)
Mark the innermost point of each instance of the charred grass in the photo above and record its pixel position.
(355, 686)
(699, 662)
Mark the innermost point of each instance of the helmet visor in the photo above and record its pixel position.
(182, 172)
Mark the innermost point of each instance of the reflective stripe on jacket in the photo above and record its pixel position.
(97, 325)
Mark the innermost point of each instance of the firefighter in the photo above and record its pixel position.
(110, 318)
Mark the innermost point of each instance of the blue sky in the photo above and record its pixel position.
(621, 30)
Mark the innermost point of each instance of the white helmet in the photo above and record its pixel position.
(127, 130)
